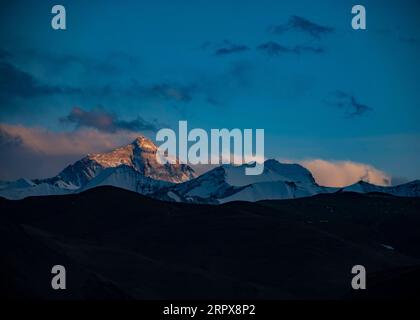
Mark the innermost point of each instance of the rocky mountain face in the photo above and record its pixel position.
(135, 167)
(229, 183)
(410, 189)
(139, 155)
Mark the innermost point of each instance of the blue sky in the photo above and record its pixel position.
(297, 69)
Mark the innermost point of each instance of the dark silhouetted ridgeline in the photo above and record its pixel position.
(118, 244)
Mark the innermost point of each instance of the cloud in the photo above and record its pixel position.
(230, 48)
(397, 34)
(168, 92)
(105, 121)
(399, 180)
(213, 101)
(17, 83)
(35, 152)
(344, 173)
(85, 78)
(409, 39)
(348, 102)
(225, 47)
(79, 142)
(112, 64)
(272, 48)
(297, 23)
(9, 140)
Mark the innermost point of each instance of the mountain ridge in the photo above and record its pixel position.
(135, 167)
(139, 155)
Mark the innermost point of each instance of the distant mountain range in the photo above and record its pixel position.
(134, 167)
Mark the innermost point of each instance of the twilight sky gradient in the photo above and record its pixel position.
(297, 69)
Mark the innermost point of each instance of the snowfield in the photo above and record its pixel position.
(134, 167)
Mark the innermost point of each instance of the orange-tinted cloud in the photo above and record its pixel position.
(34, 152)
(79, 142)
(106, 121)
(344, 173)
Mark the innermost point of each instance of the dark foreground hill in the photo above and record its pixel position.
(117, 244)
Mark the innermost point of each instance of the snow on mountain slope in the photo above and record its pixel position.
(267, 191)
(23, 188)
(139, 155)
(43, 189)
(273, 171)
(133, 167)
(204, 189)
(126, 177)
(229, 183)
(20, 183)
(77, 174)
(410, 189)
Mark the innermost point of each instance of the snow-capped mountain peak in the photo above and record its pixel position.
(410, 189)
(139, 155)
(135, 167)
(273, 171)
(125, 155)
(229, 183)
(145, 144)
